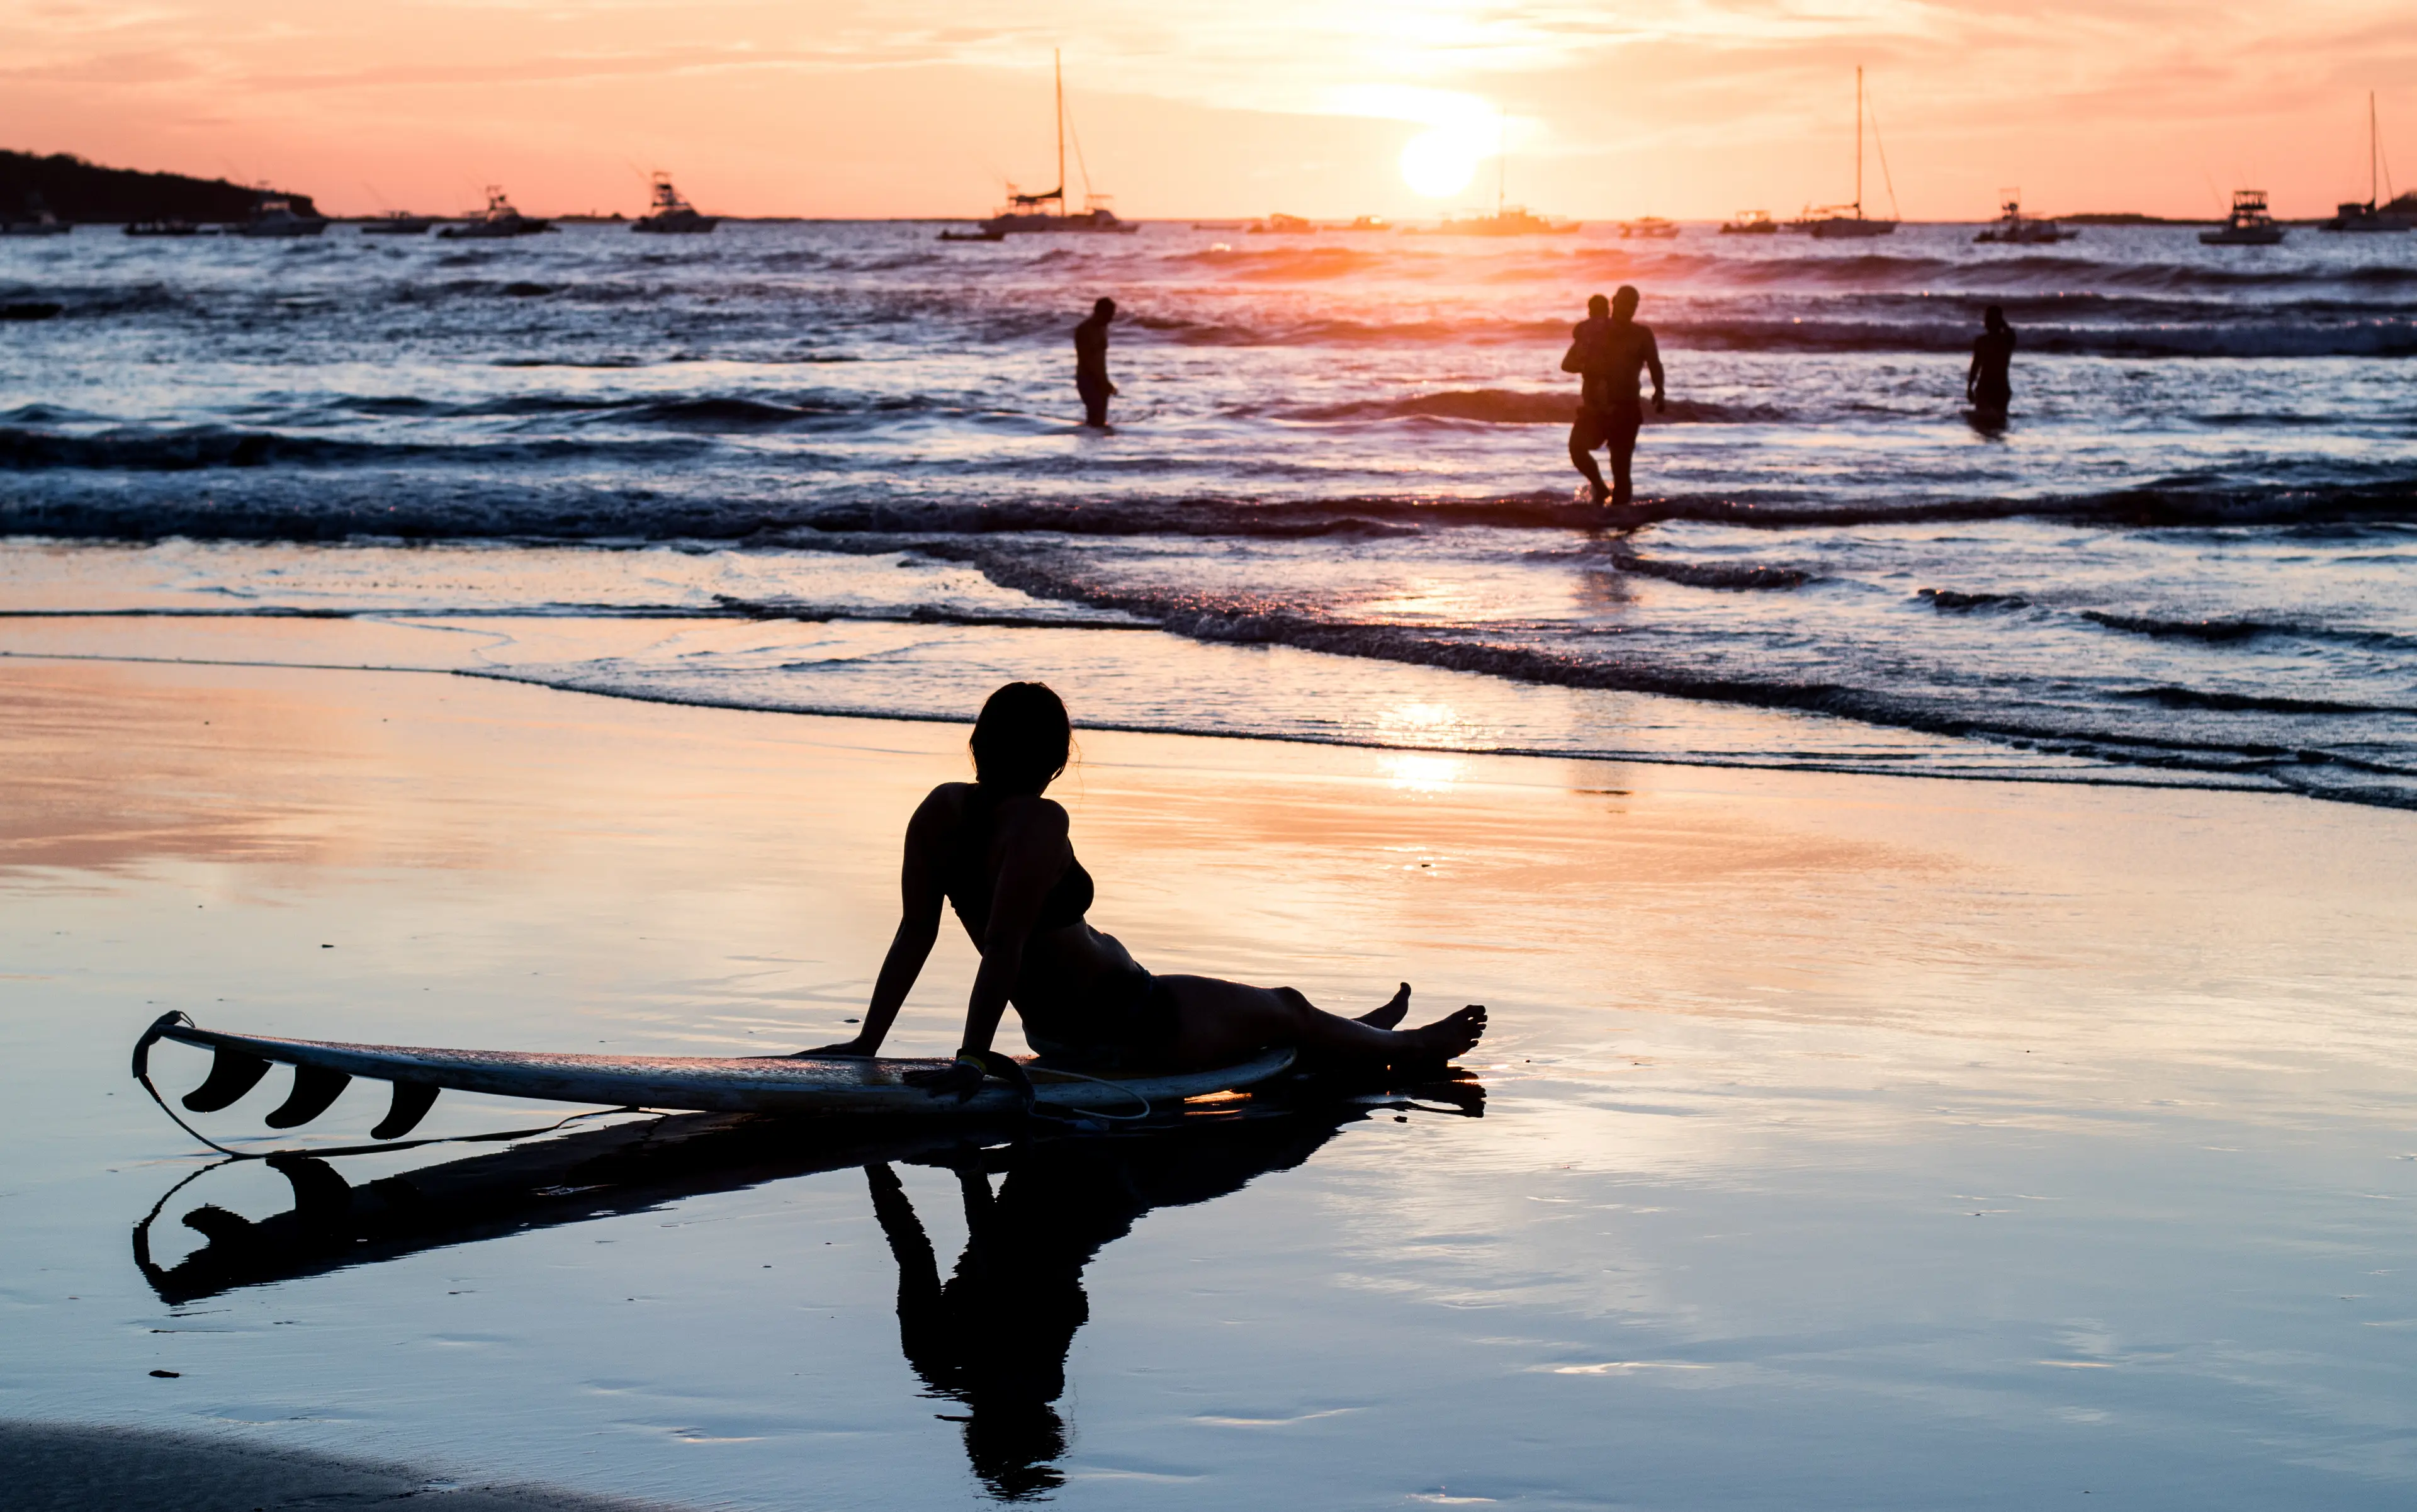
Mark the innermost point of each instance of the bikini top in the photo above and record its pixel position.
(969, 880)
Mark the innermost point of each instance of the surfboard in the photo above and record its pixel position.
(792, 1085)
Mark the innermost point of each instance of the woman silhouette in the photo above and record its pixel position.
(998, 852)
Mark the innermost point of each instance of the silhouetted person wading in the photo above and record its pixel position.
(1091, 364)
(1606, 348)
(1988, 384)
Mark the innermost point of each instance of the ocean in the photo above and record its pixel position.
(834, 468)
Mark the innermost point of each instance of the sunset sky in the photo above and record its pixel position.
(1686, 108)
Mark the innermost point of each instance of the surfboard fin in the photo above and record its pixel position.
(314, 1088)
(232, 1075)
(412, 1101)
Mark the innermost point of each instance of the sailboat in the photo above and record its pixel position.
(1026, 213)
(2352, 216)
(1848, 221)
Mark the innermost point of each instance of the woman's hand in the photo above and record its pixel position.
(845, 1049)
(963, 1076)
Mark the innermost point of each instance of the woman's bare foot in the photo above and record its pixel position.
(1448, 1037)
(1396, 1009)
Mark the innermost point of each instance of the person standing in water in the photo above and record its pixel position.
(1606, 349)
(1988, 384)
(1091, 364)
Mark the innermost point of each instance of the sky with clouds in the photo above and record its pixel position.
(1687, 108)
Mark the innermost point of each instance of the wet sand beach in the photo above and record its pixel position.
(1845, 1140)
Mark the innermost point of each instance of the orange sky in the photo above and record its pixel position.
(1687, 108)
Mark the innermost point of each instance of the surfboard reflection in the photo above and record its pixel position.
(992, 1338)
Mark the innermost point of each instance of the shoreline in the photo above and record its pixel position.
(1646, 757)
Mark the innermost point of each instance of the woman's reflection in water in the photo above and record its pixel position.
(995, 1334)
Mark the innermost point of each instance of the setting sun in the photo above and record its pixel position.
(1441, 162)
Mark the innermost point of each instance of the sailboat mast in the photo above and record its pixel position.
(1057, 68)
(2371, 200)
(1858, 141)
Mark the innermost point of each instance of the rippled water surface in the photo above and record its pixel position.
(2191, 559)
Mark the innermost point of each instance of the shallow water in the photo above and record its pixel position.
(1843, 1143)
(2188, 561)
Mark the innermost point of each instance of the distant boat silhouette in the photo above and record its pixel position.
(2013, 230)
(1024, 213)
(1507, 220)
(1750, 223)
(670, 215)
(276, 219)
(2352, 216)
(1282, 226)
(2249, 225)
(162, 228)
(1649, 226)
(37, 220)
(1848, 221)
(398, 223)
(499, 219)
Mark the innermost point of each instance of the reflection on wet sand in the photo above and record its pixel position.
(993, 1337)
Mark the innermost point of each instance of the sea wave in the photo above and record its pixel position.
(184, 449)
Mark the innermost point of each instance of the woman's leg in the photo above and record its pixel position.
(1220, 1022)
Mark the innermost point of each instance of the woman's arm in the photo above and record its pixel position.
(918, 927)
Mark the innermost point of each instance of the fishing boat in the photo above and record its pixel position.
(1651, 228)
(499, 219)
(2015, 231)
(162, 228)
(1750, 223)
(1848, 221)
(275, 218)
(2248, 225)
(669, 215)
(1026, 214)
(1369, 222)
(1282, 226)
(398, 223)
(2352, 215)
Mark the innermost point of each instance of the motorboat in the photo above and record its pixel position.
(1369, 222)
(2014, 230)
(1832, 222)
(399, 223)
(1045, 212)
(499, 219)
(2248, 225)
(668, 214)
(275, 218)
(1282, 226)
(2372, 214)
(1650, 227)
(162, 228)
(1750, 223)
